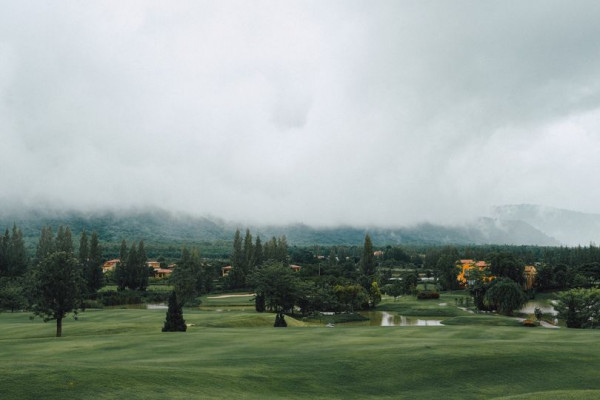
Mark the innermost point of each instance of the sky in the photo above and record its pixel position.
(381, 113)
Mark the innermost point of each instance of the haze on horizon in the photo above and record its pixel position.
(342, 112)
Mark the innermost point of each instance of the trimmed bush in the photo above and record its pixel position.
(116, 298)
(428, 294)
(280, 321)
(174, 320)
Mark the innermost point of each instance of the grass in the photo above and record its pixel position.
(237, 301)
(411, 307)
(110, 354)
(122, 353)
(488, 320)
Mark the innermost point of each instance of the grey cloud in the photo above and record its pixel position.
(378, 112)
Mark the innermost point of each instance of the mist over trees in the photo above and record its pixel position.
(285, 278)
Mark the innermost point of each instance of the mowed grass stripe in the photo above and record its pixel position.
(139, 361)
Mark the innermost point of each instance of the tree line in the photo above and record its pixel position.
(56, 280)
(338, 278)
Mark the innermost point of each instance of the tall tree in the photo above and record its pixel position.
(142, 267)
(282, 251)
(93, 265)
(248, 253)
(237, 277)
(187, 278)
(121, 270)
(46, 244)
(64, 240)
(258, 252)
(237, 257)
(133, 272)
(132, 267)
(4, 244)
(84, 248)
(57, 287)
(367, 262)
(14, 254)
(270, 249)
(123, 251)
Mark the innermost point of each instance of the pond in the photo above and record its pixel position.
(546, 307)
(141, 306)
(383, 318)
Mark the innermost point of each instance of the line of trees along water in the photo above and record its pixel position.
(336, 278)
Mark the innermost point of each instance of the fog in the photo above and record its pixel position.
(341, 112)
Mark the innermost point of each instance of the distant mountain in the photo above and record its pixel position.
(482, 231)
(150, 225)
(568, 227)
(161, 227)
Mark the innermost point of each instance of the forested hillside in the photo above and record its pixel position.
(162, 228)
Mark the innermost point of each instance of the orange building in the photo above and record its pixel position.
(110, 265)
(153, 264)
(162, 272)
(529, 272)
(466, 266)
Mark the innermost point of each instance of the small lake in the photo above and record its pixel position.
(383, 318)
(530, 306)
(141, 306)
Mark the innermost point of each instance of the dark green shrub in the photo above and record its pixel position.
(280, 321)
(428, 294)
(118, 298)
(174, 321)
(88, 303)
(156, 296)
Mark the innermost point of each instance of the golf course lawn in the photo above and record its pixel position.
(122, 353)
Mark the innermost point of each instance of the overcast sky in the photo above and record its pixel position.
(325, 112)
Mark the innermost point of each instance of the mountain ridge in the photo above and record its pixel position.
(161, 226)
(569, 227)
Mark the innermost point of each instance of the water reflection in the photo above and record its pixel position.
(530, 307)
(383, 318)
(141, 306)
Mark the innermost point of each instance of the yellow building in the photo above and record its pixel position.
(110, 265)
(466, 266)
(529, 273)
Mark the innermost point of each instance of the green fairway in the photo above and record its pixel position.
(110, 354)
(232, 301)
